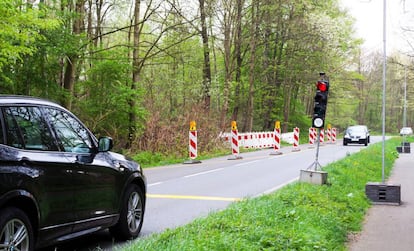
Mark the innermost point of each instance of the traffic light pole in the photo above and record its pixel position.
(316, 166)
(314, 174)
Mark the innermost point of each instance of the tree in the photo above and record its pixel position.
(206, 82)
(248, 124)
(21, 26)
(232, 28)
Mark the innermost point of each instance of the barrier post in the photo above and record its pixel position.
(321, 135)
(276, 143)
(334, 135)
(328, 134)
(234, 142)
(192, 145)
(295, 140)
(311, 137)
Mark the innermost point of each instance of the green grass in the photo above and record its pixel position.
(299, 216)
(150, 159)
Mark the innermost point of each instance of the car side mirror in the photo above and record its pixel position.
(105, 144)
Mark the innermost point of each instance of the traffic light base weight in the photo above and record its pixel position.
(380, 193)
(404, 148)
(313, 177)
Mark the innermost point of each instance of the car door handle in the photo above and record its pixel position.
(25, 161)
(82, 159)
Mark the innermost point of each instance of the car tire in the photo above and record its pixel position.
(131, 214)
(16, 232)
(345, 142)
(366, 142)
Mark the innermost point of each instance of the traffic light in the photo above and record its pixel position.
(321, 100)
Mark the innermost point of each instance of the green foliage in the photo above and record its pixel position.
(39, 73)
(108, 92)
(294, 41)
(300, 216)
(149, 158)
(21, 26)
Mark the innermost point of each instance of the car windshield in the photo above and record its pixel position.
(356, 129)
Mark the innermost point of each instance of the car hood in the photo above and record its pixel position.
(125, 161)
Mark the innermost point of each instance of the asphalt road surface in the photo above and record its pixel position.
(177, 194)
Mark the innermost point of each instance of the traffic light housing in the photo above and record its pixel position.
(321, 100)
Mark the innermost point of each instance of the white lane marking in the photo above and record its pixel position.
(154, 184)
(202, 173)
(247, 163)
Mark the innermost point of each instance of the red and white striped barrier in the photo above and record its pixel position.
(321, 135)
(276, 143)
(234, 142)
(253, 140)
(333, 135)
(328, 135)
(264, 139)
(246, 140)
(312, 136)
(295, 139)
(192, 145)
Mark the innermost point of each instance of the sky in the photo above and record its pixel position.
(370, 22)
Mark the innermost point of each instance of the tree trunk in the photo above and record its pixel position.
(206, 49)
(237, 48)
(227, 67)
(99, 19)
(286, 107)
(250, 102)
(135, 75)
(71, 61)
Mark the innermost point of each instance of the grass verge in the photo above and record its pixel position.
(299, 216)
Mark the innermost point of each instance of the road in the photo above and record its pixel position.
(177, 194)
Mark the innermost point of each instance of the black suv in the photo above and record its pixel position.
(58, 181)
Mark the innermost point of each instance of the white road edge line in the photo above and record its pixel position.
(247, 163)
(202, 173)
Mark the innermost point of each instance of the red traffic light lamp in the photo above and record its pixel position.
(322, 86)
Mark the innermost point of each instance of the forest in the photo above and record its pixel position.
(141, 70)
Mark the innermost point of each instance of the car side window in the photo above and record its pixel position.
(1, 129)
(72, 135)
(26, 129)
